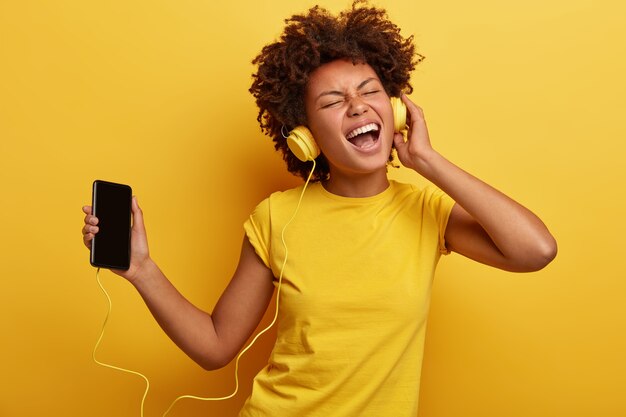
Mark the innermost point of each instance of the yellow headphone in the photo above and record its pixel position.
(303, 146)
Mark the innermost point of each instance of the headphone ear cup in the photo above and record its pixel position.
(399, 114)
(302, 144)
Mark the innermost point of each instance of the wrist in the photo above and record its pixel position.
(425, 163)
(142, 272)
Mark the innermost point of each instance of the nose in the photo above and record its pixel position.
(357, 107)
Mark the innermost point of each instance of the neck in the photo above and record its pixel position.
(356, 186)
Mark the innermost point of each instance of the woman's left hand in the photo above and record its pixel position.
(415, 152)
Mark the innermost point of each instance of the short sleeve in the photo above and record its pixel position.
(440, 205)
(257, 229)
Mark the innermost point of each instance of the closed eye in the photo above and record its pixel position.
(331, 104)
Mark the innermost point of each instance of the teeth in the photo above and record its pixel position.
(362, 129)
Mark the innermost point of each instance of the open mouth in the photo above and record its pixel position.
(364, 137)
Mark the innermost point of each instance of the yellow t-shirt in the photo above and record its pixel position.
(354, 300)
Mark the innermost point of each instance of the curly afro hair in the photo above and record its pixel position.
(362, 34)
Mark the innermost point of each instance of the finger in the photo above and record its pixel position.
(87, 229)
(87, 240)
(415, 119)
(139, 240)
(398, 140)
(137, 216)
(415, 112)
(89, 219)
(412, 107)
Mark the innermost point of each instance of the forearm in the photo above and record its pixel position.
(518, 234)
(190, 328)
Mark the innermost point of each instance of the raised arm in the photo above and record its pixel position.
(485, 225)
(211, 340)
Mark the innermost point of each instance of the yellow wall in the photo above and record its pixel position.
(530, 97)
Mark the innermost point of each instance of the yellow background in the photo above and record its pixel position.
(529, 96)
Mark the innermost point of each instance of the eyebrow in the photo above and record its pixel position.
(339, 93)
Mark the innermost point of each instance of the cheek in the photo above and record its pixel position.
(327, 127)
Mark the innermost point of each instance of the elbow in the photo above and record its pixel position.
(215, 359)
(213, 362)
(548, 251)
(542, 254)
(211, 365)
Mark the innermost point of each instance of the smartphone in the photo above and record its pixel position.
(111, 204)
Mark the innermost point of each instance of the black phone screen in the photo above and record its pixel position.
(111, 204)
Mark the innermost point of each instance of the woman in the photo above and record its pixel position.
(355, 287)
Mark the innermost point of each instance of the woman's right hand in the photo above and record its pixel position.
(139, 253)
